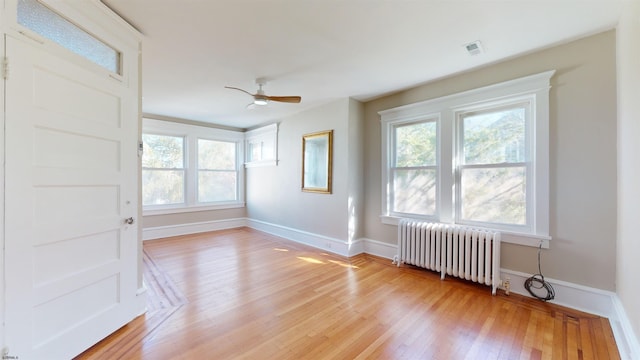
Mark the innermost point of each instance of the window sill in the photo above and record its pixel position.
(533, 240)
(178, 210)
(260, 163)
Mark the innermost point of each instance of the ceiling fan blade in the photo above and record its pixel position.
(244, 91)
(287, 99)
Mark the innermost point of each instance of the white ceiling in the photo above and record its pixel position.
(323, 50)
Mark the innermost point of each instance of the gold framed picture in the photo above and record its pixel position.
(317, 158)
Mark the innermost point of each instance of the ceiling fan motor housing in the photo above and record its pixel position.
(260, 98)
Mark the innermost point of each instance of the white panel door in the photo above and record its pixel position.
(70, 183)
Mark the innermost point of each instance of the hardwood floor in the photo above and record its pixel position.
(245, 294)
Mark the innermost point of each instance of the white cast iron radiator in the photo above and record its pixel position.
(455, 250)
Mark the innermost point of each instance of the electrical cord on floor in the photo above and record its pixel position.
(536, 284)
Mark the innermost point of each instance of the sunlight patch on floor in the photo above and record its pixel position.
(343, 264)
(310, 260)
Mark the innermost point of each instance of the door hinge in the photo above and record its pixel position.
(5, 68)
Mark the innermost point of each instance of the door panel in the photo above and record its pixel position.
(70, 180)
(90, 102)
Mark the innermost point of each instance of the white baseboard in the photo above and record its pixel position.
(333, 245)
(379, 248)
(595, 301)
(160, 232)
(628, 344)
(575, 296)
(591, 300)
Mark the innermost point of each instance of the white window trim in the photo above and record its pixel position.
(191, 134)
(529, 100)
(435, 118)
(268, 133)
(446, 109)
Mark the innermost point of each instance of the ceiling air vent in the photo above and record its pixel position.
(474, 48)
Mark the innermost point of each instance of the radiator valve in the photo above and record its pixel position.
(506, 284)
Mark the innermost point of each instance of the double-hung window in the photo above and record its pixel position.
(163, 171)
(493, 162)
(413, 171)
(217, 171)
(478, 158)
(189, 168)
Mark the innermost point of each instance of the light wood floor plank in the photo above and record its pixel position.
(244, 294)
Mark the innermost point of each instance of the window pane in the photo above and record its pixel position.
(216, 186)
(494, 137)
(52, 26)
(255, 151)
(415, 144)
(161, 151)
(414, 191)
(216, 155)
(495, 195)
(162, 187)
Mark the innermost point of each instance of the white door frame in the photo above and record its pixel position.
(98, 19)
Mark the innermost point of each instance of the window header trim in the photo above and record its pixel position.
(532, 89)
(495, 92)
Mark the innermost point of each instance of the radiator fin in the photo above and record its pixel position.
(459, 251)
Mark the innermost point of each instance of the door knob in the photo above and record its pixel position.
(129, 221)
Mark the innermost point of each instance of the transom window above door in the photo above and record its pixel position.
(47, 23)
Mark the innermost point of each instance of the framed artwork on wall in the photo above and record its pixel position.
(317, 155)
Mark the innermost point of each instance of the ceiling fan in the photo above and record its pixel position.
(260, 98)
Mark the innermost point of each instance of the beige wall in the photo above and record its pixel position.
(582, 160)
(274, 193)
(582, 165)
(355, 167)
(192, 217)
(628, 264)
(586, 194)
